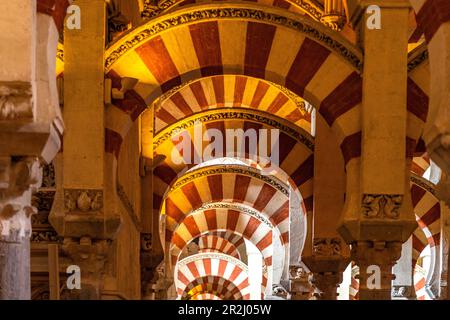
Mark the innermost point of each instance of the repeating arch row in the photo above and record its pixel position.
(257, 231)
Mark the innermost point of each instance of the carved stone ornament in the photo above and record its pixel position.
(381, 206)
(146, 242)
(15, 101)
(327, 247)
(117, 22)
(279, 291)
(298, 273)
(83, 200)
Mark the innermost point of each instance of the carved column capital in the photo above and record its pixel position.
(18, 178)
(327, 265)
(91, 257)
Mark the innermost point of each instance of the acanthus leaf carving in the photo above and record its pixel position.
(83, 200)
(381, 206)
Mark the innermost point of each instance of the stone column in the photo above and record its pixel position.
(330, 255)
(378, 215)
(30, 129)
(18, 179)
(85, 210)
(379, 255)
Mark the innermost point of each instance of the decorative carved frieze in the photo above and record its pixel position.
(152, 8)
(117, 22)
(84, 200)
(327, 247)
(16, 101)
(45, 236)
(381, 206)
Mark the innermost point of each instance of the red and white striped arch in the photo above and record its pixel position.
(219, 287)
(213, 264)
(246, 40)
(230, 184)
(219, 217)
(427, 209)
(228, 91)
(212, 243)
(295, 149)
(250, 44)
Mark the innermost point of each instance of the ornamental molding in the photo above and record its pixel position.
(211, 255)
(84, 200)
(240, 12)
(423, 183)
(231, 169)
(381, 206)
(153, 8)
(16, 101)
(225, 114)
(417, 57)
(231, 206)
